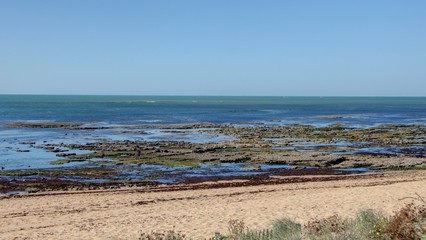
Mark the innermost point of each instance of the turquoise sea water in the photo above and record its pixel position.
(141, 110)
(173, 109)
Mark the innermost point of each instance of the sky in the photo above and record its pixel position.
(216, 47)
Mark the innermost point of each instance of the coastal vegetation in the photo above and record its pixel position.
(407, 223)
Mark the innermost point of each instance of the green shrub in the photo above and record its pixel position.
(285, 228)
(371, 224)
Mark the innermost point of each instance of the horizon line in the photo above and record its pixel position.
(189, 95)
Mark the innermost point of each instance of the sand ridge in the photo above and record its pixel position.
(198, 212)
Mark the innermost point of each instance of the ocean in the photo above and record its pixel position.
(362, 111)
(356, 112)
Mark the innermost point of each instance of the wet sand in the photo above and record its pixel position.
(200, 209)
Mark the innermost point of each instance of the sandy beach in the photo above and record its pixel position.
(208, 120)
(200, 210)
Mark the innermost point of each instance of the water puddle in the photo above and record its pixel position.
(413, 151)
(345, 147)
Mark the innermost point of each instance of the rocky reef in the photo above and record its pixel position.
(296, 146)
(380, 147)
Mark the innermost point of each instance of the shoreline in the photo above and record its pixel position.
(10, 189)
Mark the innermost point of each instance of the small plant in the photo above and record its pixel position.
(283, 229)
(333, 227)
(235, 227)
(286, 229)
(168, 235)
(371, 223)
(333, 224)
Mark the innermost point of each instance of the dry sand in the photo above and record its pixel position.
(122, 214)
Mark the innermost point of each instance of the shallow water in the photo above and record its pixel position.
(139, 110)
(343, 147)
(414, 151)
(12, 139)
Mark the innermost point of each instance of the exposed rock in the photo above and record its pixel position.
(334, 161)
(43, 125)
(21, 150)
(65, 154)
(59, 150)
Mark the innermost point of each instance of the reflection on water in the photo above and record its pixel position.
(21, 148)
(345, 147)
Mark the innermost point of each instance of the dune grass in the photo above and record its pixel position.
(407, 223)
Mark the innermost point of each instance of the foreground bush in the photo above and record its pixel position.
(409, 223)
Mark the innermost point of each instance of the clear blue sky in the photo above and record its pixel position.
(200, 47)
